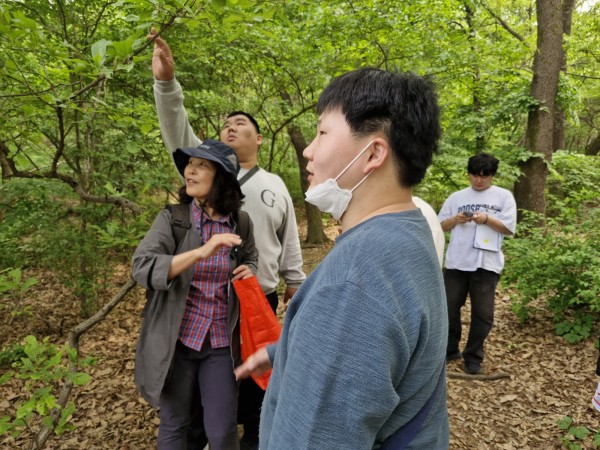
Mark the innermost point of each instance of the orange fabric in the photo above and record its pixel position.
(258, 325)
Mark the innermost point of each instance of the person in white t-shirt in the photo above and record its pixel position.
(478, 218)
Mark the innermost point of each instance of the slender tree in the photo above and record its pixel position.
(529, 188)
(560, 118)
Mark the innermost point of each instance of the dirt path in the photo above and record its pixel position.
(548, 380)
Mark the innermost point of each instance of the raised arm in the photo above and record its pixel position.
(163, 64)
(175, 128)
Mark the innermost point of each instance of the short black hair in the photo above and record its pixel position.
(402, 105)
(250, 118)
(224, 196)
(482, 164)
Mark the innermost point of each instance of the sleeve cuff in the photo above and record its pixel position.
(166, 87)
(294, 284)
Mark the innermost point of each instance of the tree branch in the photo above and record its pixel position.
(503, 24)
(480, 377)
(100, 78)
(7, 163)
(40, 440)
(585, 77)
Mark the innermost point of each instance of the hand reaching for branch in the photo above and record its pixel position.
(163, 64)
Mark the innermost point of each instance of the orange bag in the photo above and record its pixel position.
(258, 325)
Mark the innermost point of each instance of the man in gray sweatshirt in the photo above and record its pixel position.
(266, 200)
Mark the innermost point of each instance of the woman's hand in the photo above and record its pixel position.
(217, 241)
(183, 261)
(241, 272)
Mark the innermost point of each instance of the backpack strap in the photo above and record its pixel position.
(242, 222)
(248, 175)
(180, 221)
(407, 432)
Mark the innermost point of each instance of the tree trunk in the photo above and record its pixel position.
(314, 232)
(560, 118)
(472, 39)
(593, 148)
(529, 188)
(4, 163)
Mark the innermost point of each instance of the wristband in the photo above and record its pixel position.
(486, 218)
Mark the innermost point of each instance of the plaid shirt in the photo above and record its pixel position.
(206, 303)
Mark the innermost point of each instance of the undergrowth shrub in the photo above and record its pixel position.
(44, 225)
(560, 261)
(41, 369)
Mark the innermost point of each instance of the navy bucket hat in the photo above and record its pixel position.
(216, 151)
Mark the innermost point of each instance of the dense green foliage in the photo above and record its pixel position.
(83, 166)
(43, 367)
(559, 263)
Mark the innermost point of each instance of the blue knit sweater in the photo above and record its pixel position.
(363, 344)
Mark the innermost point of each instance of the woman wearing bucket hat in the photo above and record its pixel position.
(190, 335)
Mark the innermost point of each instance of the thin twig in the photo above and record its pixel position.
(477, 377)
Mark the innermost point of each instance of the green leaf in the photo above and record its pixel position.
(126, 67)
(564, 423)
(123, 49)
(579, 432)
(6, 377)
(5, 425)
(48, 422)
(80, 378)
(50, 401)
(31, 347)
(99, 50)
(22, 21)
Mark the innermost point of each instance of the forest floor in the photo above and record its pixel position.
(548, 379)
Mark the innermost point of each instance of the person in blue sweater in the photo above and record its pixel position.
(360, 362)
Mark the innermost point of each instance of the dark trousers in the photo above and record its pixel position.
(251, 395)
(209, 370)
(481, 289)
(249, 405)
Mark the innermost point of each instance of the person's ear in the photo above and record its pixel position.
(259, 139)
(378, 154)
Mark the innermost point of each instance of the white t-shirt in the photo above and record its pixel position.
(461, 253)
(436, 229)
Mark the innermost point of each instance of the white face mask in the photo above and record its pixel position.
(331, 198)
